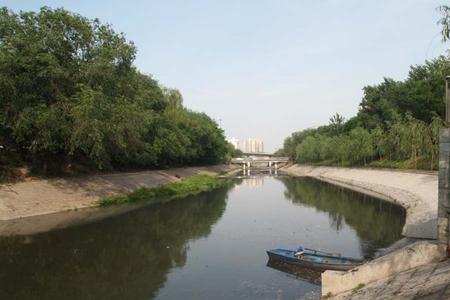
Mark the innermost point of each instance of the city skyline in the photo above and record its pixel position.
(249, 145)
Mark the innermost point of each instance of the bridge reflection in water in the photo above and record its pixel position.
(254, 182)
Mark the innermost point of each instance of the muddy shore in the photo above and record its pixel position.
(38, 205)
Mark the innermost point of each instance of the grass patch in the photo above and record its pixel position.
(189, 186)
(418, 164)
(358, 287)
(390, 164)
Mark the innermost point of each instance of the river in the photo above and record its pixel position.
(208, 246)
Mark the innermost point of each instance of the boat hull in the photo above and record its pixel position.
(318, 262)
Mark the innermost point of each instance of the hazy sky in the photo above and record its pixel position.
(268, 68)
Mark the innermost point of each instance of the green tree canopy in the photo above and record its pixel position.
(397, 121)
(70, 94)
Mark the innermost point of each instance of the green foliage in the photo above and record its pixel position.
(232, 152)
(421, 95)
(280, 153)
(337, 124)
(444, 21)
(358, 287)
(397, 125)
(409, 140)
(70, 94)
(189, 186)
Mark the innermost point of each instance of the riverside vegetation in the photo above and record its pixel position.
(189, 186)
(72, 101)
(397, 124)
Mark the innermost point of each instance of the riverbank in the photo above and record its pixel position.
(417, 192)
(183, 188)
(426, 282)
(37, 205)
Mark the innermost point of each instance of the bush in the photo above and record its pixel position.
(185, 187)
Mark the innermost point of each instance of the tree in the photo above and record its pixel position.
(397, 122)
(70, 94)
(173, 98)
(337, 123)
(308, 150)
(361, 148)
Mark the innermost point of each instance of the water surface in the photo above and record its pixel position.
(208, 246)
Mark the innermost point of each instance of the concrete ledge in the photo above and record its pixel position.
(417, 254)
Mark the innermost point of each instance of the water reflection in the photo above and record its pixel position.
(309, 275)
(209, 246)
(126, 257)
(378, 223)
(254, 182)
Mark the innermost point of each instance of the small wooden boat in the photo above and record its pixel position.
(315, 259)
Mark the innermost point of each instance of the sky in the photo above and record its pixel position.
(264, 69)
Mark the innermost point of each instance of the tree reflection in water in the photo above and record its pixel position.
(124, 257)
(377, 223)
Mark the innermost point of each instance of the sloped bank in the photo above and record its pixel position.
(45, 204)
(417, 192)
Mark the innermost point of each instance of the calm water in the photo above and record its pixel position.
(210, 246)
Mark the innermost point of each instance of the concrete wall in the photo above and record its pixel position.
(417, 254)
(444, 189)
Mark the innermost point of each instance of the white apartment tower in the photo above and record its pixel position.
(254, 146)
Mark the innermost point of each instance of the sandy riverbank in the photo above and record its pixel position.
(44, 204)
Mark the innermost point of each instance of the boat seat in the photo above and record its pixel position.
(299, 254)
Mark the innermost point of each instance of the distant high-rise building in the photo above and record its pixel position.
(254, 146)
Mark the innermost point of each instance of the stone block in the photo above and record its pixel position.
(444, 135)
(443, 205)
(442, 231)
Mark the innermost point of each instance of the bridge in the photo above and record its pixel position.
(260, 154)
(260, 160)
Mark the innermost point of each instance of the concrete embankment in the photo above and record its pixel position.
(39, 205)
(417, 192)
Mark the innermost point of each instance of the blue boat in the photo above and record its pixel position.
(314, 259)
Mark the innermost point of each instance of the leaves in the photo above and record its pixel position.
(69, 92)
(397, 121)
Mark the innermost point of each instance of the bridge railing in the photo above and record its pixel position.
(240, 160)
